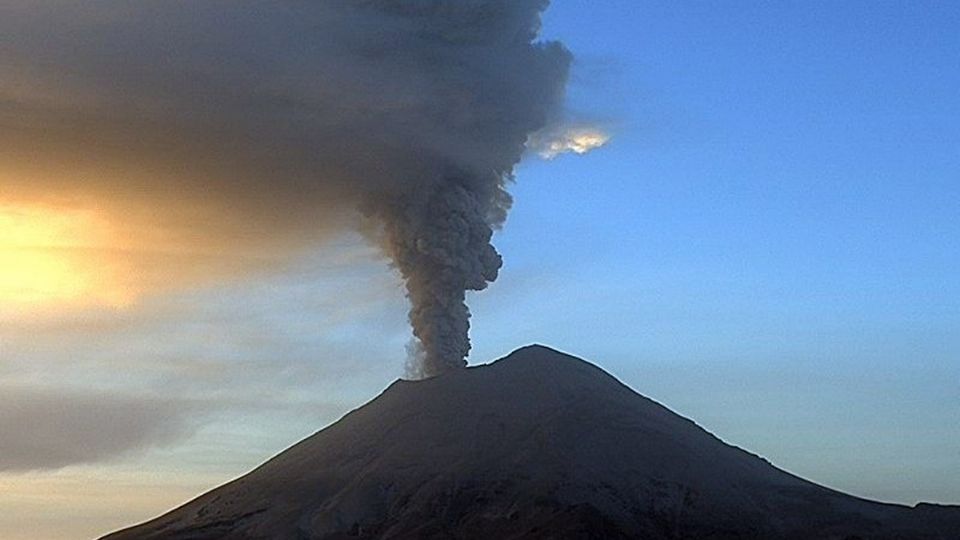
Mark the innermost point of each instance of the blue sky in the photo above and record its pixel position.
(768, 245)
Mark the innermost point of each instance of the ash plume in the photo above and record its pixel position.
(247, 125)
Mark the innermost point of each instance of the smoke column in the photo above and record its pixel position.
(265, 123)
(440, 242)
(438, 230)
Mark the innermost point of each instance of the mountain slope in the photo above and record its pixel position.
(536, 445)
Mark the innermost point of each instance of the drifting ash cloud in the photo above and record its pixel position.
(262, 128)
(49, 429)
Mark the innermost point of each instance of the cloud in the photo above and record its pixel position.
(276, 358)
(241, 133)
(562, 139)
(47, 428)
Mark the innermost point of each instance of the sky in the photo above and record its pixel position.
(766, 244)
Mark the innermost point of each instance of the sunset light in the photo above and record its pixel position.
(50, 256)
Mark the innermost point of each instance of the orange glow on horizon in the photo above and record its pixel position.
(52, 256)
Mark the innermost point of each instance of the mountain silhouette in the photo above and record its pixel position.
(536, 445)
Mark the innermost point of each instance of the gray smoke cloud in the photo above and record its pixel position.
(248, 125)
(48, 429)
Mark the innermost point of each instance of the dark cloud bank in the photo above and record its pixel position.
(252, 125)
(45, 429)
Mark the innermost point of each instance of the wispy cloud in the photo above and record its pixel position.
(562, 139)
(91, 385)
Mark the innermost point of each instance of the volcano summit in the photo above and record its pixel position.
(538, 444)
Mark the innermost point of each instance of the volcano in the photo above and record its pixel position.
(536, 445)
